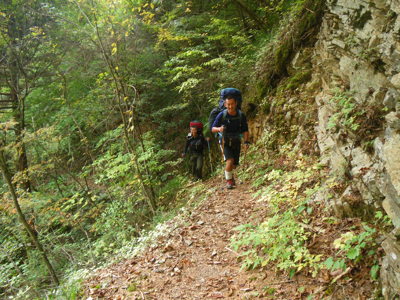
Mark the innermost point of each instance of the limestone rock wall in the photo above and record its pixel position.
(358, 56)
(356, 72)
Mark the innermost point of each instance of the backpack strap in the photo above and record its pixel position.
(225, 112)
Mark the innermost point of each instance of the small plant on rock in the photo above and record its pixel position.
(347, 112)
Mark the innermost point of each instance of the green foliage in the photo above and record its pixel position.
(369, 145)
(374, 272)
(280, 239)
(219, 54)
(116, 168)
(352, 246)
(347, 112)
(382, 219)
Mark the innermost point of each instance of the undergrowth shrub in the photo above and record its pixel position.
(288, 238)
(281, 237)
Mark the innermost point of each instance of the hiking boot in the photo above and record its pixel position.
(233, 181)
(229, 184)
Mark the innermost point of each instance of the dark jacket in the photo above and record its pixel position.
(195, 144)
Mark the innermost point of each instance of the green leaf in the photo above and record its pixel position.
(329, 262)
(291, 273)
(353, 253)
(374, 271)
(336, 265)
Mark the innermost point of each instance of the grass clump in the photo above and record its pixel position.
(132, 287)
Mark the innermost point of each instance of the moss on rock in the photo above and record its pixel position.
(281, 57)
(261, 89)
(299, 78)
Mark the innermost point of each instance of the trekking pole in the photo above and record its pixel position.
(223, 140)
(209, 154)
(244, 164)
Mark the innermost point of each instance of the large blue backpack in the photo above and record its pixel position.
(235, 93)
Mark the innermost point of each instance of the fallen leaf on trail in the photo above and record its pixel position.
(325, 275)
(246, 289)
(168, 248)
(336, 272)
(158, 270)
(218, 295)
(187, 262)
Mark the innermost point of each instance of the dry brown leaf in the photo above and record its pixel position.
(168, 248)
(218, 295)
(336, 273)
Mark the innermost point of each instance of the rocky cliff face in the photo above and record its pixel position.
(355, 95)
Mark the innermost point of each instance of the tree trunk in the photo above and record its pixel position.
(18, 106)
(21, 217)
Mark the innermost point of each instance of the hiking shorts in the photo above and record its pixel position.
(230, 152)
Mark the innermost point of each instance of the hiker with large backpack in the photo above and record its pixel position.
(235, 93)
(196, 143)
(230, 124)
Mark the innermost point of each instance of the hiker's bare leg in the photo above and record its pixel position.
(228, 168)
(229, 165)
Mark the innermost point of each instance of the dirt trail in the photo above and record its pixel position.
(195, 261)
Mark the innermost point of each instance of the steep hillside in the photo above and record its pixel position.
(348, 113)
